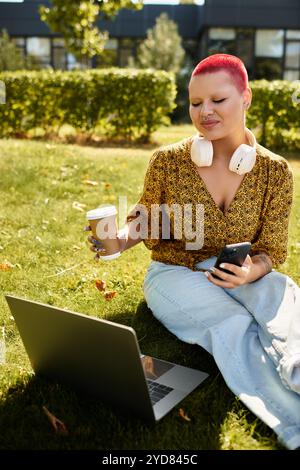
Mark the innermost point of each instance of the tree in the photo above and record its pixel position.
(75, 20)
(162, 49)
(10, 56)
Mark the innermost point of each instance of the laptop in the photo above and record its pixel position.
(100, 358)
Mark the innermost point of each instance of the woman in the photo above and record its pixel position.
(242, 318)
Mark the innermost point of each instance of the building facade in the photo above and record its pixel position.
(265, 34)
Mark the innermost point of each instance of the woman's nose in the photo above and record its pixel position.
(206, 109)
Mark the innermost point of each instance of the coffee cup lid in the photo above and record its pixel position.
(101, 212)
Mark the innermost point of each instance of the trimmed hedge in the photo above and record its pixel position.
(123, 103)
(275, 114)
(130, 104)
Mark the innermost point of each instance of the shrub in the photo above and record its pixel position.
(122, 103)
(11, 58)
(275, 114)
(164, 38)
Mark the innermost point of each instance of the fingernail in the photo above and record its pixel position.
(206, 274)
(222, 265)
(212, 269)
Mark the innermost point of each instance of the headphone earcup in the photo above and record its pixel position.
(243, 159)
(202, 151)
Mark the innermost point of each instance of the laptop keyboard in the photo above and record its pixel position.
(157, 391)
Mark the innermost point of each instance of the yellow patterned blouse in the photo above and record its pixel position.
(259, 212)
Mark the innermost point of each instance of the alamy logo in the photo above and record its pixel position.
(2, 92)
(159, 222)
(296, 94)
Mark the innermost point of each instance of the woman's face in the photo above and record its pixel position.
(217, 108)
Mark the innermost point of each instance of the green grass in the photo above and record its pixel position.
(41, 235)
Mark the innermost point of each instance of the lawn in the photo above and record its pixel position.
(43, 245)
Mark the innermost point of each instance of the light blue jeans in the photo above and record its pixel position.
(245, 329)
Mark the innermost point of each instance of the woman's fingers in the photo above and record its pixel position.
(97, 249)
(225, 279)
(97, 246)
(95, 242)
(218, 282)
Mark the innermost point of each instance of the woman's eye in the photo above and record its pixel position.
(196, 104)
(219, 101)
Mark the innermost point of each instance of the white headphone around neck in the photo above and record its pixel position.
(241, 162)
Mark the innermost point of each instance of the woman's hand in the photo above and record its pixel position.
(97, 246)
(240, 274)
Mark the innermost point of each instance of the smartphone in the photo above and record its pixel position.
(235, 253)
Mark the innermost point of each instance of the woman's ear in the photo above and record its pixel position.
(247, 97)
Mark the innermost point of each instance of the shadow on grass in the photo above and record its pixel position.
(92, 424)
(87, 141)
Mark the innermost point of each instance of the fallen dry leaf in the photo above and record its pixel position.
(57, 424)
(7, 266)
(78, 206)
(182, 415)
(101, 285)
(109, 295)
(90, 182)
(106, 185)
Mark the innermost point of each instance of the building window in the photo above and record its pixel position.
(191, 48)
(74, 64)
(40, 48)
(245, 48)
(291, 75)
(268, 54)
(222, 33)
(20, 44)
(221, 40)
(127, 48)
(109, 57)
(71, 62)
(268, 68)
(293, 34)
(269, 43)
(292, 55)
(59, 54)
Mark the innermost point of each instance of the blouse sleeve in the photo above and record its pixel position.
(153, 193)
(273, 236)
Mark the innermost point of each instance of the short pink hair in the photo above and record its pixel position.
(228, 63)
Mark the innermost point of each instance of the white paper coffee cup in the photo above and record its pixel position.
(103, 223)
